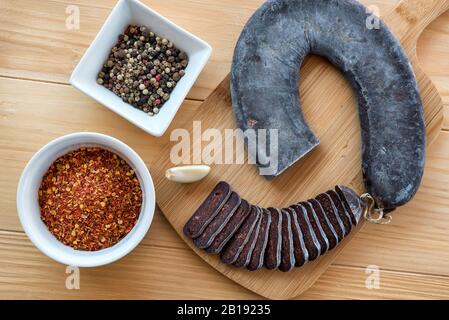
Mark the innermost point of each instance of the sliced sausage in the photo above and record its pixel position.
(258, 255)
(311, 242)
(342, 213)
(331, 214)
(207, 210)
(316, 227)
(232, 249)
(273, 250)
(230, 228)
(299, 247)
(287, 252)
(220, 220)
(352, 203)
(327, 226)
(245, 255)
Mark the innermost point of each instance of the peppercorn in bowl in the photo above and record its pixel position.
(143, 69)
(86, 199)
(141, 66)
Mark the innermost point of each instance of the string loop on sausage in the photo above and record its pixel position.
(373, 214)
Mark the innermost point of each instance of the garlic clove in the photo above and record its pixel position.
(187, 174)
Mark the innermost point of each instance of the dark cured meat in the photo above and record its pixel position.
(207, 210)
(245, 255)
(257, 257)
(316, 227)
(345, 203)
(328, 229)
(248, 236)
(273, 250)
(232, 249)
(287, 252)
(264, 89)
(299, 247)
(230, 228)
(344, 216)
(220, 220)
(332, 214)
(310, 240)
(352, 203)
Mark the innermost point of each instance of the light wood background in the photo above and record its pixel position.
(37, 54)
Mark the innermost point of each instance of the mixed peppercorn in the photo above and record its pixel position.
(90, 199)
(143, 69)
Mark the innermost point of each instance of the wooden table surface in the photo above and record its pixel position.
(37, 55)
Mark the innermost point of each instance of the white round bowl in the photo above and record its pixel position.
(29, 211)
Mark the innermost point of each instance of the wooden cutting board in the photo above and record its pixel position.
(330, 108)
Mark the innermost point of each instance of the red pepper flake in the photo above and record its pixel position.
(90, 199)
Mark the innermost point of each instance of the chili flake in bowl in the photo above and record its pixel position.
(86, 199)
(90, 199)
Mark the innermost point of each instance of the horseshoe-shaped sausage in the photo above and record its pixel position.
(264, 88)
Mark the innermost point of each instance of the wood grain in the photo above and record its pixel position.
(18, 119)
(337, 160)
(34, 112)
(36, 117)
(155, 271)
(37, 45)
(434, 43)
(124, 279)
(419, 231)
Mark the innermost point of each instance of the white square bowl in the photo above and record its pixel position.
(128, 12)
